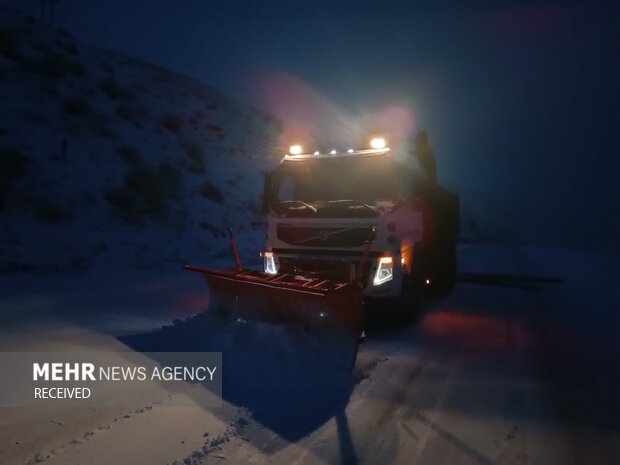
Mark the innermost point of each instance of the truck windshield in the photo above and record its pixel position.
(332, 180)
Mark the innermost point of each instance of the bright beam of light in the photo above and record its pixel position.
(377, 143)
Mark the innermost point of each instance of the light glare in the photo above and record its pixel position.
(295, 150)
(377, 143)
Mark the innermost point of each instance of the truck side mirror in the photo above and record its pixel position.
(267, 192)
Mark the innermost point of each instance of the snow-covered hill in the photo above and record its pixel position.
(108, 162)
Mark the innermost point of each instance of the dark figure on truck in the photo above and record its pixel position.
(425, 156)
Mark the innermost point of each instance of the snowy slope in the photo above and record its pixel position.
(107, 162)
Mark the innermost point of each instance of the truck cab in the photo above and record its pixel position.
(322, 208)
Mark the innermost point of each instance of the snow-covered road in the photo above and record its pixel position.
(519, 370)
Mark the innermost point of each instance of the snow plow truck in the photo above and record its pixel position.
(346, 232)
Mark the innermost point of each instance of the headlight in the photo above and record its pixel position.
(270, 263)
(295, 150)
(385, 271)
(377, 143)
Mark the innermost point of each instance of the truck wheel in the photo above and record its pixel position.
(444, 277)
(407, 303)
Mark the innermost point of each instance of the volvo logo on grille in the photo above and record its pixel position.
(323, 235)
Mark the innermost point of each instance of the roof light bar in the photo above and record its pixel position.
(378, 143)
(295, 150)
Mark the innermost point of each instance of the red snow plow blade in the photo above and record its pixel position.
(285, 298)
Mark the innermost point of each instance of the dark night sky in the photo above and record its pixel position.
(520, 98)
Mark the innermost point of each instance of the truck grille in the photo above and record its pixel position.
(324, 237)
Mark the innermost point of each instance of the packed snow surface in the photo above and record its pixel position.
(519, 365)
